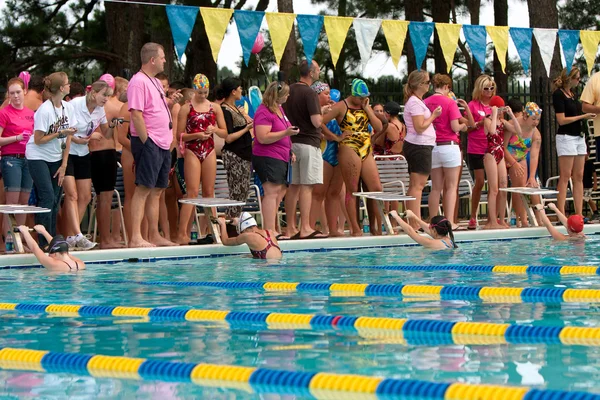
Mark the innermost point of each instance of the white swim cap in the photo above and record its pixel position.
(246, 221)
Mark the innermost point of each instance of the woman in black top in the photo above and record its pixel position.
(570, 139)
(237, 151)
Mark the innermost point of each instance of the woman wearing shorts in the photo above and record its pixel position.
(483, 91)
(272, 150)
(16, 126)
(446, 158)
(420, 137)
(570, 139)
(90, 115)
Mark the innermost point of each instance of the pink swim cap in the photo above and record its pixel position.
(108, 78)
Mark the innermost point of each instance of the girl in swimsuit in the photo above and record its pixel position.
(195, 128)
(262, 243)
(58, 257)
(494, 164)
(517, 148)
(440, 230)
(354, 154)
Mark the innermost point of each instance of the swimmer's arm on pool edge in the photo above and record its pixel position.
(551, 229)
(43, 258)
(414, 235)
(225, 239)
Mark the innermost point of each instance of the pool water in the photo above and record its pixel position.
(549, 366)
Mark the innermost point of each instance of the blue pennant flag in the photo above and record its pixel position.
(522, 39)
(248, 25)
(568, 42)
(420, 35)
(182, 20)
(309, 27)
(476, 37)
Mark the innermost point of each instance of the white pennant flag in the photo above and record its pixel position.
(546, 39)
(366, 31)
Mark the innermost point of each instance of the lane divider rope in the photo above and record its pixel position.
(406, 331)
(320, 385)
(487, 294)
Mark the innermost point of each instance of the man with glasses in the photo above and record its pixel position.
(304, 111)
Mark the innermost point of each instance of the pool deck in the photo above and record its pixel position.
(313, 245)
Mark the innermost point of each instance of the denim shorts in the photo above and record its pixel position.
(15, 172)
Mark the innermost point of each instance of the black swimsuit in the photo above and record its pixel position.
(71, 268)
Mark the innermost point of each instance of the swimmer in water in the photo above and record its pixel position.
(440, 230)
(263, 244)
(58, 257)
(574, 224)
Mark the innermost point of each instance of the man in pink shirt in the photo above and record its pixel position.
(151, 139)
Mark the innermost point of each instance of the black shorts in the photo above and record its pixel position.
(271, 170)
(104, 170)
(475, 161)
(119, 185)
(152, 164)
(79, 166)
(418, 158)
(597, 140)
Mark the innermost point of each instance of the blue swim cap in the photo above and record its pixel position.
(335, 95)
(359, 88)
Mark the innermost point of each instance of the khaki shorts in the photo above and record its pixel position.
(308, 168)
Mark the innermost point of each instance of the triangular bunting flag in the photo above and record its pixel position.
(248, 25)
(448, 35)
(309, 28)
(568, 42)
(420, 35)
(499, 35)
(366, 30)
(521, 37)
(546, 39)
(589, 41)
(280, 26)
(182, 20)
(476, 37)
(215, 22)
(337, 30)
(395, 35)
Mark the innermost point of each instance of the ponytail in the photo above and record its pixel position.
(443, 227)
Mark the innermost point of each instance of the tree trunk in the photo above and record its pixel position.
(164, 37)
(545, 16)
(500, 19)
(475, 71)
(198, 53)
(339, 73)
(288, 60)
(440, 12)
(124, 37)
(413, 11)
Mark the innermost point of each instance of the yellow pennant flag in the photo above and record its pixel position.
(280, 26)
(589, 41)
(395, 35)
(215, 23)
(336, 29)
(499, 35)
(448, 35)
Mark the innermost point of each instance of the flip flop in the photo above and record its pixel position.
(281, 236)
(296, 236)
(314, 235)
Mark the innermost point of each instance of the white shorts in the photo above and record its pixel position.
(308, 168)
(447, 156)
(570, 145)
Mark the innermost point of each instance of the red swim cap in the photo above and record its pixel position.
(575, 223)
(497, 101)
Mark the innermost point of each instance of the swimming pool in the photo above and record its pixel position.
(542, 364)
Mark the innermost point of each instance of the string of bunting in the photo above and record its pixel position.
(216, 20)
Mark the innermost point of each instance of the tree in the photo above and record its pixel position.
(124, 36)
(500, 19)
(440, 12)
(414, 12)
(289, 58)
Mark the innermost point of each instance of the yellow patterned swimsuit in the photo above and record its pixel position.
(357, 122)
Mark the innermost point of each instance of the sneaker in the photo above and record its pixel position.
(472, 224)
(595, 217)
(72, 242)
(85, 244)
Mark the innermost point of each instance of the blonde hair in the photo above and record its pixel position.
(54, 81)
(441, 80)
(186, 95)
(96, 88)
(274, 92)
(564, 78)
(481, 82)
(415, 79)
